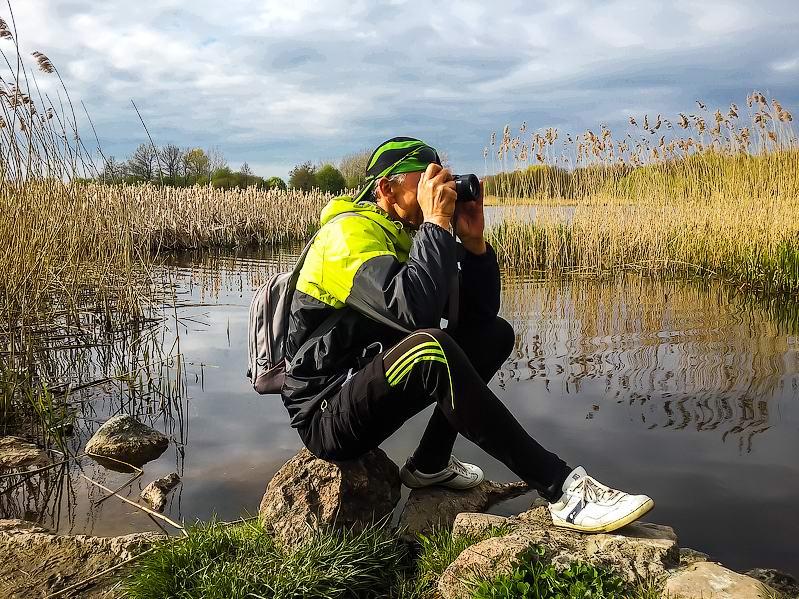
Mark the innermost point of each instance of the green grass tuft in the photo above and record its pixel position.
(243, 560)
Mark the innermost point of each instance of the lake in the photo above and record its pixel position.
(679, 389)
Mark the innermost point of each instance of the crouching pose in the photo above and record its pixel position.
(366, 352)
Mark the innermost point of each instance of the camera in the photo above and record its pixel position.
(467, 187)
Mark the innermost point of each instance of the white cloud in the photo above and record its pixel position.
(276, 83)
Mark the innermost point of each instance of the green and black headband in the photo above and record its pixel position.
(395, 156)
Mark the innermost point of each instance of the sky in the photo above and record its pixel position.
(277, 83)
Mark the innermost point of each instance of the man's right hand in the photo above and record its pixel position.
(436, 195)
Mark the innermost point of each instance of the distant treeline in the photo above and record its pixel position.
(184, 167)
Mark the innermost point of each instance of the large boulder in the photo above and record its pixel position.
(639, 550)
(19, 453)
(37, 563)
(433, 507)
(124, 440)
(713, 581)
(308, 493)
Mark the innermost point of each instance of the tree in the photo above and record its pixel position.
(275, 183)
(171, 161)
(329, 179)
(142, 164)
(246, 176)
(197, 164)
(353, 167)
(113, 171)
(302, 176)
(216, 159)
(224, 178)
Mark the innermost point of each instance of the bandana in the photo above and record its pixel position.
(395, 156)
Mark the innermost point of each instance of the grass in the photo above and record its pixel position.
(243, 560)
(702, 196)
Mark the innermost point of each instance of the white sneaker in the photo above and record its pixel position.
(589, 506)
(457, 475)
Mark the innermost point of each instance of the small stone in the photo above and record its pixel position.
(782, 582)
(469, 524)
(691, 556)
(712, 581)
(126, 439)
(19, 453)
(308, 493)
(433, 507)
(155, 493)
(484, 560)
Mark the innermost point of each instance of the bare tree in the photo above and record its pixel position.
(142, 164)
(113, 171)
(216, 159)
(246, 174)
(171, 159)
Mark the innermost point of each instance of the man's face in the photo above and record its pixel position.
(402, 200)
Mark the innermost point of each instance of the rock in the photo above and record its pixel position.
(782, 582)
(309, 493)
(155, 493)
(36, 562)
(432, 507)
(19, 453)
(639, 550)
(126, 439)
(488, 559)
(691, 556)
(469, 524)
(712, 581)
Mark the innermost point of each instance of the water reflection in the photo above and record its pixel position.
(680, 354)
(654, 383)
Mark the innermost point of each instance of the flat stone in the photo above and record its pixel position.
(155, 493)
(125, 439)
(437, 507)
(639, 550)
(36, 562)
(468, 524)
(308, 493)
(19, 453)
(781, 581)
(709, 580)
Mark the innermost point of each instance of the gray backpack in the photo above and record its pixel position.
(269, 312)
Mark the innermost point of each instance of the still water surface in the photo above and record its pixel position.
(671, 388)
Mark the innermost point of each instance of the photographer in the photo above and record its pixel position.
(366, 352)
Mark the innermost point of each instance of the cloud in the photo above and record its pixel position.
(276, 83)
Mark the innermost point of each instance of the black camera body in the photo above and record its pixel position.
(467, 187)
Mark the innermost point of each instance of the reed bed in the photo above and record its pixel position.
(719, 201)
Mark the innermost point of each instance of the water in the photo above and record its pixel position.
(673, 388)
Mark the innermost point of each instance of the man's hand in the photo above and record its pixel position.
(436, 195)
(470, 224)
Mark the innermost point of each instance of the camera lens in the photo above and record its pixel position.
(467, 187)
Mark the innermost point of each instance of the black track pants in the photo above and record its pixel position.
(452, 371)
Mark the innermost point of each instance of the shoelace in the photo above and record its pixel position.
(458, 466)
(596, 492)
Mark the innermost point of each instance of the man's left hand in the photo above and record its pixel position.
(470, 224)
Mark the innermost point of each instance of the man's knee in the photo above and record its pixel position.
(505, 336)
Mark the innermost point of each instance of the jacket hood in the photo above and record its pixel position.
(398, 233)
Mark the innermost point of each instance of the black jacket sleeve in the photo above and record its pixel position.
(411, 295)
(480, 286)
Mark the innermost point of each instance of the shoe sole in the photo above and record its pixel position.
(631, 517)
(416, 485)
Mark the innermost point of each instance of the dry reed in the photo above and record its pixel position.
(723, 201)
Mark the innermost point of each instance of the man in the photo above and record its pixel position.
(366, 351)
